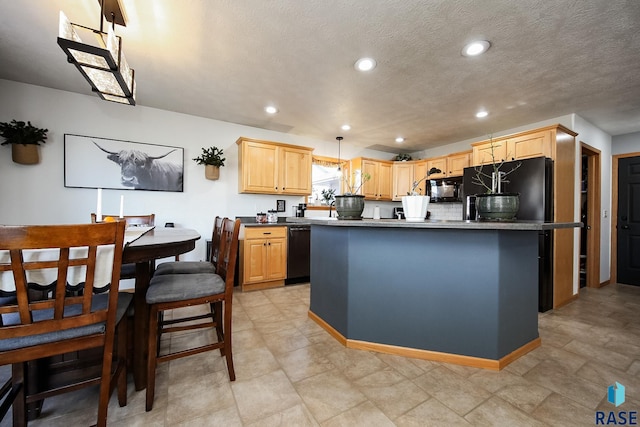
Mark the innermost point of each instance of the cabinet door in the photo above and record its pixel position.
(439, 163)
(370, 188)
(402, 179)
(276, 267)
(534, 145)
(419, 172)
(456, 164)
(259, 166)
(255, 260)
(384, 181)
(482, 153)
(295, 171)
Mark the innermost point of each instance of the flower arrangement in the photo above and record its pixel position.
(329, 196)
(414, 187)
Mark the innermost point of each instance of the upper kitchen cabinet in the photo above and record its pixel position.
(456, 163)
(483, 153)
(438, 163)
(404, 174)
(380, 185)
(525, 145)
(267, 167)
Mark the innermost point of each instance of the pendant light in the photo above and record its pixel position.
(339, 138)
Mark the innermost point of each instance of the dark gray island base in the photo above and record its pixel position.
(452, 291)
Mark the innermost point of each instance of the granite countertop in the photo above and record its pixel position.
(437, 224)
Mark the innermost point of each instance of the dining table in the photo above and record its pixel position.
(144, 251)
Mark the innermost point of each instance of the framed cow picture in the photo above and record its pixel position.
(92, 162)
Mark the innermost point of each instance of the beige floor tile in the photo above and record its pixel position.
(356, 364)
(496, 412)
(328, 394)
(261, 397)
(298, 416)
(365, 414)
(557, 410)
(304, 363)
(603, 354)
(202, 397)
(393, 399)
(227, 417)
(525, 396)
(254, 363)
(431, 413)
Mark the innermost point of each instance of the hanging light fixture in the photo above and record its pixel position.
(103, 65)
(339, 138)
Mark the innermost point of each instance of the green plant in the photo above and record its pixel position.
(210, 156)
(329, 196)
(354, 183)
(403, 156)
(17, 132)
(414, 187)
(497, 177)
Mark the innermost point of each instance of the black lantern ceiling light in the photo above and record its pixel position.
(103, 65)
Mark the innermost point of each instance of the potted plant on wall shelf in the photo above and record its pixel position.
(212, 159)
(351, 204)
(24, 139)
(414, 204)
(494, 204)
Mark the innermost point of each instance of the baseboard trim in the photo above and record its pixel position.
(457, 359)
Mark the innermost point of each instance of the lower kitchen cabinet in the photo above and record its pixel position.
(263, 257)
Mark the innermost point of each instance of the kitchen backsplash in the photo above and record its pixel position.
(445, 210)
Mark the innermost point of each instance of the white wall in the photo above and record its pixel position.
(624, 144)
(36, 194)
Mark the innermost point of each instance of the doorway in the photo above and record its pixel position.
(590, 217)
(625, 232)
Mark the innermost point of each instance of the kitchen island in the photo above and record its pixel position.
(463, 292)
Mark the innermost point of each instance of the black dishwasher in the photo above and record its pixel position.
(298, 254)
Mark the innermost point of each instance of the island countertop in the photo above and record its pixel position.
(437, 224)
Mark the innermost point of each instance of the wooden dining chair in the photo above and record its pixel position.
(128, 271)
(173, 291)
(40, 328)
(191, 267)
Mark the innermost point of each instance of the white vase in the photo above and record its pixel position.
(415, 207)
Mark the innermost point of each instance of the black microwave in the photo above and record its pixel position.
(445, 190)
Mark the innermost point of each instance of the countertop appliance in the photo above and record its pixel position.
(534, 181)
(298, 253)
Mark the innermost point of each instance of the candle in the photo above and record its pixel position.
(99, 207)
(121, 206)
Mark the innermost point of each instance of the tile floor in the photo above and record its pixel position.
(290, 372)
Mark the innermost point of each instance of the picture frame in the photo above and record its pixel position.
(94, 162)
(280, 206)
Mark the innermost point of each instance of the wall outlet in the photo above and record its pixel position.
(605, 214)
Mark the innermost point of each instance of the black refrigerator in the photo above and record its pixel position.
(534, 181)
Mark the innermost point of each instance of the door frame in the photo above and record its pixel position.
(614, 212)
(594, 184)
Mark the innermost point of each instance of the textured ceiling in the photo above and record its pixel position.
(227, 59)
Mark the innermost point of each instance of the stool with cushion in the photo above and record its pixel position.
(191, 267)
(35, 329)
(174, 291)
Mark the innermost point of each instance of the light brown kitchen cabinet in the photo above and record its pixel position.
(379, 187)
(267, 167)
(263, 257)
(456, 163)
(438, 163)
(535, 144)
(481, 152)
(404, 174)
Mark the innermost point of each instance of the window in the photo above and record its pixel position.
(325, 175)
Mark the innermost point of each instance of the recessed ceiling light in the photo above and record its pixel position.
(476, 48)
(345, 127)
(481, 114)
(399, 139)
(365, 64)
(270, 109)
